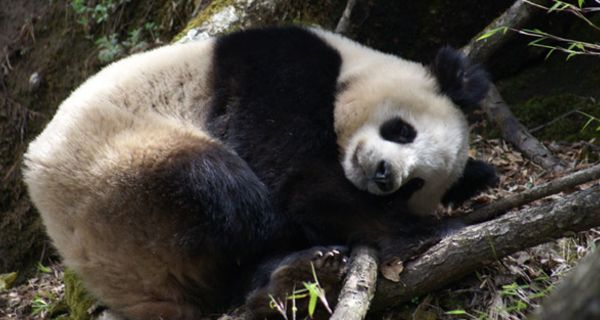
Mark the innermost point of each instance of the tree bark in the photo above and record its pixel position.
(514, 132)
(578, 296)
(359, 286)
(478, 245)
(516, 17)
(229, 15)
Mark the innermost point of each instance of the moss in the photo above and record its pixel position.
(78, 300)
(547, 112)
(213, 8)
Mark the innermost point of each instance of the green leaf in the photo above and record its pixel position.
(555, 6)
(590, 120)
(313, 297)
(580, 2)
(456, 312)
(42, 268)
(549, 53)
(536, 32)
(558, 6)
(571, 55)
(491, 33)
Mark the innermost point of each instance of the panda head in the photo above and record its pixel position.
(401, 129)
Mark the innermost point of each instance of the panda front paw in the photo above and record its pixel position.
(324, 264)
(330, 258)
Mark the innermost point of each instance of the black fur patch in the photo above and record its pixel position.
(218, 199)
(398, 130)
(465, 83)
(476, 177)
(274, 97)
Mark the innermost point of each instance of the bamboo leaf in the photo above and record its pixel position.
(456, 312)
(590, 120)
(555, 6)
(313, 297)
(491, 33)
(549, 53)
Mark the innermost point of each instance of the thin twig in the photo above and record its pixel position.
(553, 121)
(516, 16)
(344, 23)
(555, 186)
(573, 9)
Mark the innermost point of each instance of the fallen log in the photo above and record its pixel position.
(552, 187)
(481, 244)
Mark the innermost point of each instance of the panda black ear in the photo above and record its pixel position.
(465, 83)
(477, 177)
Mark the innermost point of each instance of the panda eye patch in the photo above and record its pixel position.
(397, 130)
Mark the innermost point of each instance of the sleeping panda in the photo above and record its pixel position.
(177, 181)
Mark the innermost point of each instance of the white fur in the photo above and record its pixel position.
(381, 87)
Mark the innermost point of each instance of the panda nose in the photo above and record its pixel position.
(383, 176)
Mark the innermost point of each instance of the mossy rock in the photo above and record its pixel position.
(561, 117)
(224, 16)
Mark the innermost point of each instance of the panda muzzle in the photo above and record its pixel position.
(384, 176)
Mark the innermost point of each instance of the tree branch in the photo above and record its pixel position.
(478, 245)
(479, 50)
(344, 23)
(555, 186)
(359, 286)
(516, 16)
(514, 132)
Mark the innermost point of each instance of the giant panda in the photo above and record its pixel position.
(177, 181)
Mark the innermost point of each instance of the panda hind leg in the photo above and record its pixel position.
(278, 278)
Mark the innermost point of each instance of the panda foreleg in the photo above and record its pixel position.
(232, 204)
(280, 278)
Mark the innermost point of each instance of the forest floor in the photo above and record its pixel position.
(509, 289)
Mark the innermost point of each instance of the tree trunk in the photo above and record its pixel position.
(578, 296)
